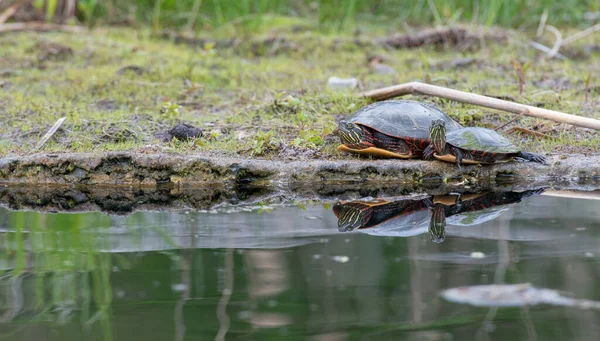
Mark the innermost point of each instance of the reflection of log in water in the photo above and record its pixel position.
(227, 290)
(185, 264)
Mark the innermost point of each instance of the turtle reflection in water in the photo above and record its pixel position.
(402, 218)
(472, 209)
(512, 295)
(409, 217)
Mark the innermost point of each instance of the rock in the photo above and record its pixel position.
(184, 132)
(342, 83)
(138, 70)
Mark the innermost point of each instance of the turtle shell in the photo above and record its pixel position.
(401, 119)
(480, 139)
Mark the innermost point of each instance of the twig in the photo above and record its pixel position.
(557, 43)
(542, 24)
(527, 131)
(546, 49)
(39, 26)
(414, 88)
(509, 122)
(9, 12)
(50, 133)
(579, 35)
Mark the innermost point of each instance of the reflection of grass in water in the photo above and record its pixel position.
(70, 273)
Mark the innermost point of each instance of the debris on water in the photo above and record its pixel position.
(244, 314)
(341, 259)
(317, 256)
(512, 295)
(184, 132)
(477, 255)
(589, 254)
(342, 83)
(178, 287)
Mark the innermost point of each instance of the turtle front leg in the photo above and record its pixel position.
(428, 153)
(458, 154)
(531, 157)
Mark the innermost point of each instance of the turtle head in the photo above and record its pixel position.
(437, 135)
(351, 134)
(437, 224)
(350, 217)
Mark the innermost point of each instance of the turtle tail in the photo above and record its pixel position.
(532, 157)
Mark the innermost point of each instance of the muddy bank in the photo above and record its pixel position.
(131, 169)
(120, 182)
(124, 182)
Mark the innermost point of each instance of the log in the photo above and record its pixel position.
(39, 27)
(418, 88)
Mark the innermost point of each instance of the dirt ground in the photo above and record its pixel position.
(266, 96)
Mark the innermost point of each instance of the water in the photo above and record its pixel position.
(288, 273)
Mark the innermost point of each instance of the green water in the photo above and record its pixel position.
(289, 274)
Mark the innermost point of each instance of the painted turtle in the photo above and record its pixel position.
(473, 145)
(392, 129)
(400, 218)
(472, 208)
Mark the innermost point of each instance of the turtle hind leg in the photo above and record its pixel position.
(522, 156)
(458, 154)
(390, 143)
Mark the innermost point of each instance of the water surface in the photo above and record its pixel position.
(288, 273)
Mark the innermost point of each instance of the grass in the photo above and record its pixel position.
(334, 14)
(121, 88)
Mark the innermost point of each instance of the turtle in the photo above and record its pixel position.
(381, 217)
(473, 145)
(391, 129)
(472, 208)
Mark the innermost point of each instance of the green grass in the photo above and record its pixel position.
(243, 15)
(256, 99)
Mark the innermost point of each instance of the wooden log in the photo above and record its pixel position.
(417, 88)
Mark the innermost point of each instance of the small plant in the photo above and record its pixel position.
(586, 82)
(283, 105)
(263, 143)
(170, 110)
(308, 139)
(521, 70)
